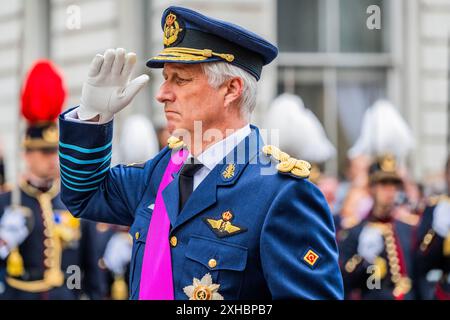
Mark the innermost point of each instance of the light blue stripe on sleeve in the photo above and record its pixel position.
(83, 178)
(84, 150)
(79, 161)
(82, 183)
(79, 190)
(85, 171)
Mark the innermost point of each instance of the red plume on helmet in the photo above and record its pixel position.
(43, 96)
(43, 93)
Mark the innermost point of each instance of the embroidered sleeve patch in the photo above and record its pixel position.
(311, 258)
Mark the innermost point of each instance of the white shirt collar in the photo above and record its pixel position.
(214, 154)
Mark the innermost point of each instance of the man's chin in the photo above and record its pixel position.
(171, 127)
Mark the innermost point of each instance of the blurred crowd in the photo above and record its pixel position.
(393, 233)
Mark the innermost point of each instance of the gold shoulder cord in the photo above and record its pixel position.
(53, 276)
(402, 283)
(287, 164)
(175, 143)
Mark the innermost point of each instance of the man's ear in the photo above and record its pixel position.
(233, 93)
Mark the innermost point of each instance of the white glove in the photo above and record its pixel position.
(13, 227)
(108, 88)
(441, 219)
(370, 243)
(118, 253)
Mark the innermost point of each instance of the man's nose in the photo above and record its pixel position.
(165, 94)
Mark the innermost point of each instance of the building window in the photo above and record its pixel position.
(335, 63)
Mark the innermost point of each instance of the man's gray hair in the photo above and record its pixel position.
(219, 72)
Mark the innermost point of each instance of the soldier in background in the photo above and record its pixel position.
(41, 244)
(300, 132)
(383, 131)
(302, 135)
(115, 246)
(432, 246)
(375, 256)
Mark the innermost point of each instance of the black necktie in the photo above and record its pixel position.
(187, 180)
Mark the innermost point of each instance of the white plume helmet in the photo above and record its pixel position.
(383, 131)
(138, 141)
(301, 133)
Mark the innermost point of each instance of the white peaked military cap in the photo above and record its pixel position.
(138, 140)
(383, 131)
(301, 134)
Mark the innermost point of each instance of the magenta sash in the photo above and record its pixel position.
(156, 274)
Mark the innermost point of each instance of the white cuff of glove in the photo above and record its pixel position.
(73, 117)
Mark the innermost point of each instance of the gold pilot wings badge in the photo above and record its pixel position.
(223, 227)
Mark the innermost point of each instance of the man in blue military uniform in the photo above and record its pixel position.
(432, 247)
(243, 222)
(375, 254)
(39, 238)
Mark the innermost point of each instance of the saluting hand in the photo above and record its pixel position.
(108, 88)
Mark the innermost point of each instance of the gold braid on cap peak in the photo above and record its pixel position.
(191, 54)
(175, 143)
(289, 165)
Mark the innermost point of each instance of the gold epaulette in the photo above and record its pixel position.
(175, 143)
(288, 165)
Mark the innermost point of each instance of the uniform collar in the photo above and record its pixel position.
(214, 154)
(225, 174)
(35, 192)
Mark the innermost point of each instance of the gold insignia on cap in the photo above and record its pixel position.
(311, 258)
(223, 227)
(171, 29)
(203, 289)
(229, 171)
(388, 163)
(175, 143)
(50, 134)
(295, 167)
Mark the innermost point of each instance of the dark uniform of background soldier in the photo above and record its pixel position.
(432, 247)
(115, 244)
(381, 241)
(40, 239)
